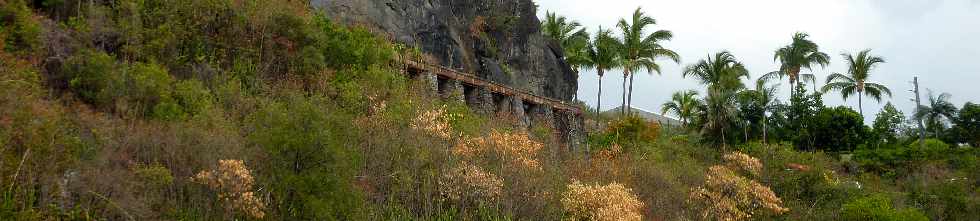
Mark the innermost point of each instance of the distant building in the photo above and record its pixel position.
(648, 115)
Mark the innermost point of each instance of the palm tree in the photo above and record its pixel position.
(601, 55)
(801, 53)
(765, 97)
(683, 104)
(938, 108)
(570, 35)
(723, 72)
(639, 51)
(855, 82)
(723, 75)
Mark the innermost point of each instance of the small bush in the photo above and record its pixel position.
(309, 164)
(729, 195)
(879, 208)
(509, 149)
(631, 129)
(888, 159)
(232, 182)
(154, 176)
(192, 96)
(94, 78)
(471, 183)
(601, 202)
(149, 84)
(20, 31)
(948, 199)
(168, 110)
(357, 47)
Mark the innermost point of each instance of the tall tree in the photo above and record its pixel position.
(602, 56)
(888, 124)
(800, 122)
(967, 128)
(855, 82)
(723, 75)
(639, 51)
(939, 110)
(570, 35)
(683, 104)
(799, 54)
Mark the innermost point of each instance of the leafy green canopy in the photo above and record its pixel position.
(967, 129)
(879, 207)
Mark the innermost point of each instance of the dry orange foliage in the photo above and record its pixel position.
(728, 195)
(515, 148)
(433, 122)
(233, 183)
(601, 202)
(471, 182)
(744, 162)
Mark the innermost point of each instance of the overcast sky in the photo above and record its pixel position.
(932, 39)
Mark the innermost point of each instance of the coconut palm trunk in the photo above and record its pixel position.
(860, 107)
(765, 130)
(623, 107)
(745, 131)
(598, 103)
(724, 142)
(629, 96)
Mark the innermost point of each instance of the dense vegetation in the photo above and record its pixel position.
(902, 162)
(266, 110)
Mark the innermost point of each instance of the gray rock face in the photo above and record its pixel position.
(498, 40)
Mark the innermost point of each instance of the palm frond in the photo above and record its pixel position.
(878, 87)
(873, 92)
(808, 78)
(836, 86)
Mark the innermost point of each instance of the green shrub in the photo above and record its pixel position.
(933, 149)
(352, 47)
(633, 129)
(193, 96)
(19, 31)
(948, 199)
(94, 78)
(887, 159)
(878, 208)
(154, 176)
(309, 164)
(168, 110)
(839, 129)
(149, 85)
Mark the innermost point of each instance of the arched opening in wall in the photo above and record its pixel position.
(413, 73)
(444, 86)
(500, 104)
(531, 109)
(469, 95)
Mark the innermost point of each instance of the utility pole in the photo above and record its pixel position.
(918, 106)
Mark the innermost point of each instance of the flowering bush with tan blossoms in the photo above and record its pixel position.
(601, 202)
(434, 122)
(233, 183)
(728, 195)
(514, 148)
(739, 160)
(471, 182)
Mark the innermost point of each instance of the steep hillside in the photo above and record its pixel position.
(271, 110)
(499, 40)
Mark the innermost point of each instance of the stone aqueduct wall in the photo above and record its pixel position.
(568, 124)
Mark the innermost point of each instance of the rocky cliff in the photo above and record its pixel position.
(498, 40)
